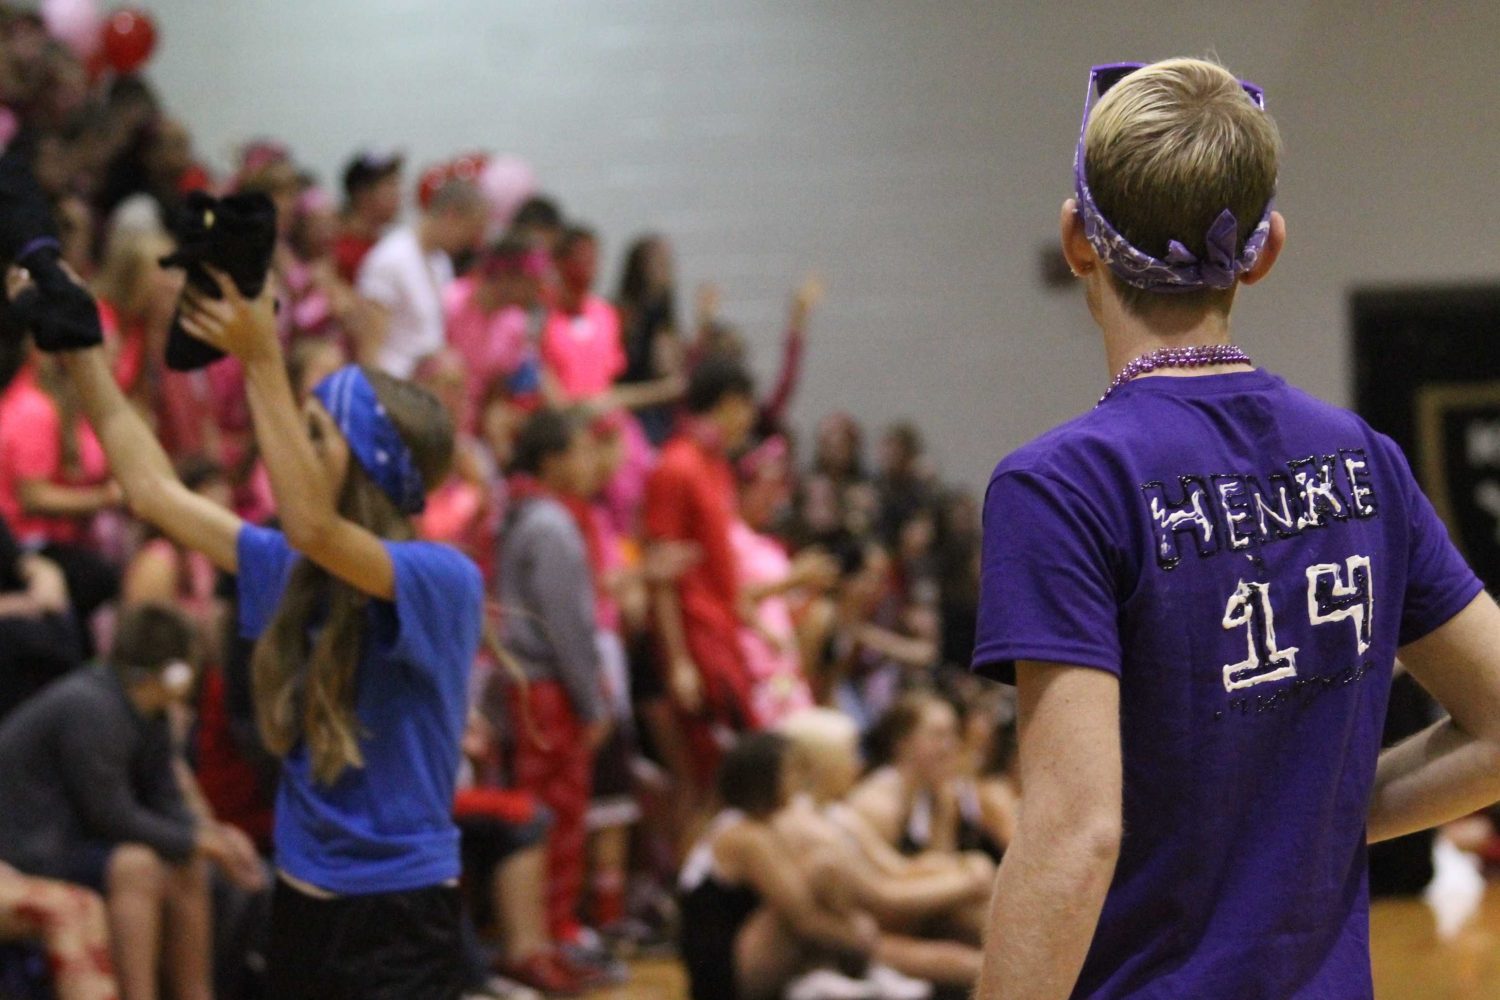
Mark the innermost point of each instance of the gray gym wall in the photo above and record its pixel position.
(913, 151)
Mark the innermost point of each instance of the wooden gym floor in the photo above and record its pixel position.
(1410, 962)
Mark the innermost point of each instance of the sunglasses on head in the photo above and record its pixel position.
(1102, 78)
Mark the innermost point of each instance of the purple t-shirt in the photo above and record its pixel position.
(1246, 559)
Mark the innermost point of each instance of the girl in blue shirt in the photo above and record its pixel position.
(364, 642)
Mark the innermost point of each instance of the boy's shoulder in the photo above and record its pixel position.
(681, 461)
(1144, 422)
(1057, 451)
(542, 516)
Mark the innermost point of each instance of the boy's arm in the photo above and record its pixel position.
(1452, 768)
(665, 515)
(1052, 883)
(142, 468)
(562, 586)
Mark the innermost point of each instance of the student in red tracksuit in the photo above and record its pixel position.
(547, 596)
(691, 497)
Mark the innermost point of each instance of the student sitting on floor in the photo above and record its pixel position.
(758, 923)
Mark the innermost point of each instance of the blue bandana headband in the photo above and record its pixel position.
(350, 399)
(1180, 270)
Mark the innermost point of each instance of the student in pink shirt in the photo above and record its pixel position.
(53, 474)
(316, 300)
(774, 587)
(581, 343)
(54, 479)
(489, 315)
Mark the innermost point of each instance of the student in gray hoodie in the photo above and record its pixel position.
(90, 796)
(547, 594)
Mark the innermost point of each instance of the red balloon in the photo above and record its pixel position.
(129, 39)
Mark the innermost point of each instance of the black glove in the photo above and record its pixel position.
(237, 235)
(60, 313)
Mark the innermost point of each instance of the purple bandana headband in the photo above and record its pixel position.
(1180, 270)
(350, 399)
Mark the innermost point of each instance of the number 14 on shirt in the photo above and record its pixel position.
(1334, 594)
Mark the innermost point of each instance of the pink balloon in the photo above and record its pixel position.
(76, 23)
(506, 182)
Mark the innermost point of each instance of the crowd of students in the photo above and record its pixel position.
(726, 712)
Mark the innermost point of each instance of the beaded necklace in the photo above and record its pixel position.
(1177, 357)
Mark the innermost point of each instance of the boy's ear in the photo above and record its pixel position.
(1275, 240)
(1076, 248)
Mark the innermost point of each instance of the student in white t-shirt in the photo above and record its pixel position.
(407, 271)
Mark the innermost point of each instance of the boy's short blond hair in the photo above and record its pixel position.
(816, 725)
(1170, 147)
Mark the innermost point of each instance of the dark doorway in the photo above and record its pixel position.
(1427, 372)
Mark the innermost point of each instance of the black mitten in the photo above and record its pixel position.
(237, 235)
(61, 314)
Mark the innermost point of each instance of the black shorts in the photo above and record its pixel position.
(382, 946)
(647, 683)
(487, 844)
(612, 766)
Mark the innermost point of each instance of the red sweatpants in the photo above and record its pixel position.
(555, 763)
(726, 700)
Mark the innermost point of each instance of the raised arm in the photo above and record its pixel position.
(1052, 883)
(807, 296)
(1452, 768)
(368, 327)
(306, 495)
(140, 465)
